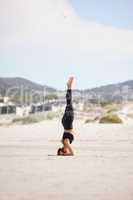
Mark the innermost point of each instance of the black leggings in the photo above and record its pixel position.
(68, 117)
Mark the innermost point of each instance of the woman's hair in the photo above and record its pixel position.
(60, 151)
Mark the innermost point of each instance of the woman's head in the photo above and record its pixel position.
(60, 151)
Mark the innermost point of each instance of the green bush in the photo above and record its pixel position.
(111, 118)
(25, 120)
(90, 120)
(112, 110)
(51, 97)
(34, 118)
(105, 103)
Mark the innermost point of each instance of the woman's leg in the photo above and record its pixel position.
(69, 97)
(69, 92)
(68, 116)
(69, 106)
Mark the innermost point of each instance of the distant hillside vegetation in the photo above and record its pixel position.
(17, 82)
(118, 91)
(21, 90)
(110, 92)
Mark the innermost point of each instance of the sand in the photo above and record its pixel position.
(102, 168)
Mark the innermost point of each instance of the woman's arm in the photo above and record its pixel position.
(67, 148)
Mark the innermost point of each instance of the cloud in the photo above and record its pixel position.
(50, 32)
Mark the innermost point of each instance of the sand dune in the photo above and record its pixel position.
(102, 168)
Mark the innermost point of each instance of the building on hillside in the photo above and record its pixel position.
(4, 100)
(23, 111)
(40, 107)
(6, 106)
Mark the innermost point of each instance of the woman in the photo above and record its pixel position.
(67, 122)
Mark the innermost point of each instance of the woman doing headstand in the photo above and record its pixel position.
(67, 122)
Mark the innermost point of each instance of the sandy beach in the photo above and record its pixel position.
(102, 168)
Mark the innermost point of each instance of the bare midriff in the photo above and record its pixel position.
(69, 130)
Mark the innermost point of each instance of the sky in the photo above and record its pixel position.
(48, 40)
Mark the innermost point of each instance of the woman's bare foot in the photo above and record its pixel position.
(69, 82)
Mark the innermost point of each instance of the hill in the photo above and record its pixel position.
(17, 82)
(117, 91)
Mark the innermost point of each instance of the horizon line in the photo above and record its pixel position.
(41, 84)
